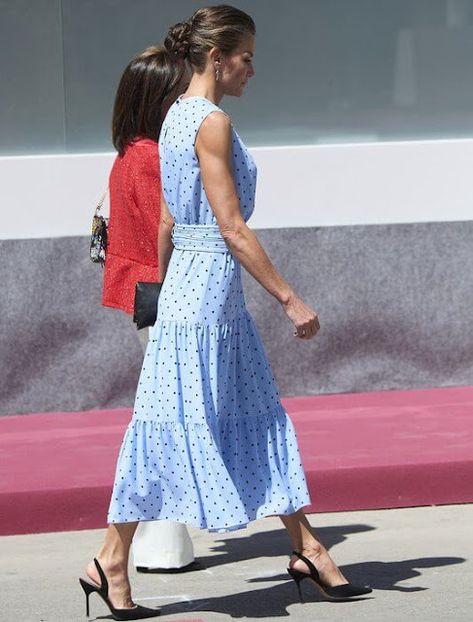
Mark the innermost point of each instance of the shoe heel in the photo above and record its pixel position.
(133, 613)
(298, 578)
(88, 589)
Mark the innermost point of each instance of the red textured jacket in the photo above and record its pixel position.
(132, 248)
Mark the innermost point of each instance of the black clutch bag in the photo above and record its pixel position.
(146, 304)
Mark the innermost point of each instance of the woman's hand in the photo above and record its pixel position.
(304, 318)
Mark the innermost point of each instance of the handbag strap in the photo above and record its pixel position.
(100, 203)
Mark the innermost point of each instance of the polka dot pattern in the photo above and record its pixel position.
(209, 444)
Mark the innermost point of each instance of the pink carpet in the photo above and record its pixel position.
(360, 451)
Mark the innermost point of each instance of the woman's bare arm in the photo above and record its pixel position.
(165, 245)
(213, 148)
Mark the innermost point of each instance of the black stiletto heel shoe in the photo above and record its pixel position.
(135, 613)
(337, 592)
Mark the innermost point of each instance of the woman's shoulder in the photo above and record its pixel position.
(193, 109)
(141, 147)
(139, 160)
(142, 142)
(215, 126)
(141, 153)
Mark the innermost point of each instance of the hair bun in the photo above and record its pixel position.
(177, 41)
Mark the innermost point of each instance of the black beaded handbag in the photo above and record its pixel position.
(146, 304)
(99, 235)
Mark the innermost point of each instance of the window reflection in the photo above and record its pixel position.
(327, 70)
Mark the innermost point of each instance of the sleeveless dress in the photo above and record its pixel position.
(209, 443)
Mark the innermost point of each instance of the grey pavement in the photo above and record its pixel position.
(418, 560)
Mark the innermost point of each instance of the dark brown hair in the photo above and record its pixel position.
(147, 82)
(219, 26)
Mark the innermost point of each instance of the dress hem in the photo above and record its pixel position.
(195, 525)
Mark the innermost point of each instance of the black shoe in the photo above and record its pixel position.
(135, 613)
(187, 568)
(338, 592)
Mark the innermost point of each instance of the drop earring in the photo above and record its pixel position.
(217, 74)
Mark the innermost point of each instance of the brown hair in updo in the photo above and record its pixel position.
(145, 86)
(220, 26)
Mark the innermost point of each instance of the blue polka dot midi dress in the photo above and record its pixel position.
(209, 443)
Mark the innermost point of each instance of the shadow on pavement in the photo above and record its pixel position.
(274, 601)
(272, 544)
(385, 575)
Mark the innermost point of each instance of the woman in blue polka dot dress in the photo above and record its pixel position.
(210, 444)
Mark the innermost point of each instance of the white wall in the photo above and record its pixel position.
(301, 186)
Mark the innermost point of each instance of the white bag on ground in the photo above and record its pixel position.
(162, 544)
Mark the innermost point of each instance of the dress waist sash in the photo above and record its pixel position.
(198, 238)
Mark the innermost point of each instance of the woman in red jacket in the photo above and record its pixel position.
(149, 85)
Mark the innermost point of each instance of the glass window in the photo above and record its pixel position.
(326, 70)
